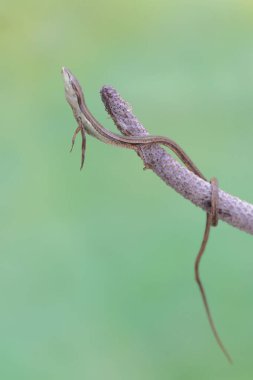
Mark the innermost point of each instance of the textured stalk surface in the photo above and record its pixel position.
(231, 209)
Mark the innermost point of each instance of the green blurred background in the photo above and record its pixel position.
(96, 267)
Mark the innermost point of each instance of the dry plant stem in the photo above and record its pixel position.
(231, 210)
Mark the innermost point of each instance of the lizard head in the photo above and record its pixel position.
(73, 91)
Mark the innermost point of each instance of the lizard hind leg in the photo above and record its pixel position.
(80, 129)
